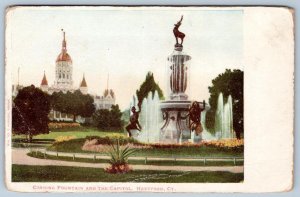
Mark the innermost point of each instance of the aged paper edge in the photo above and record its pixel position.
(248, 185)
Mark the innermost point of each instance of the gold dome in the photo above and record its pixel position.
(64, 56)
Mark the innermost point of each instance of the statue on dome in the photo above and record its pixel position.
(178, 34)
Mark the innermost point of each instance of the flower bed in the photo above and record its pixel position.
(118, 169)
(104, 144)
(63, 125)
(229, 143)
(113, 139)
(60, 139)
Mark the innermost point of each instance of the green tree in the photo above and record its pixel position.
(229, 83)
(74, 103)
(115, 117)
(30, 112)
(101, 119)
(149, 85)
(108, 119)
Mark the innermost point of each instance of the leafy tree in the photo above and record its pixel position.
(115, 117)
(30, 112)
(108, 119)
(101, 118)
(229, 83)
(74, 103)
(149, 85)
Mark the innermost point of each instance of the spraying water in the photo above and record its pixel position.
(223, 118)
(205, 134)
(150, 119)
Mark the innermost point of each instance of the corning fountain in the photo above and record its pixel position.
(176, 120)
(177, 109)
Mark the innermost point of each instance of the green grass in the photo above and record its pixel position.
(192, 151)
(45, 140)
(139, 162)
(23, 173)
(81, 132)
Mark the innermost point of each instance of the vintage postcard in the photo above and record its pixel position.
(149, 99)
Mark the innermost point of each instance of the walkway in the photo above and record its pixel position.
(20, 157)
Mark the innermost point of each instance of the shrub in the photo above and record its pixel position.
(119, 159)
(108, 119)
(63, 125)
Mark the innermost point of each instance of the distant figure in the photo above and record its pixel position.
(177, 33)
(195, 114)
(134, 121)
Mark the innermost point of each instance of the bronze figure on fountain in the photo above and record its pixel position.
(178, 34)
(195, 117)
(134, 123)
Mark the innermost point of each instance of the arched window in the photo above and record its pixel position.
(59, 75)
(63, 75)
(67, 76)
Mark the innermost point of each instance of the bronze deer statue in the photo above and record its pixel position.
(177, 33)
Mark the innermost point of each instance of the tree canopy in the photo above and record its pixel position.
(30, 112)
(74, 103)
(229, 83)
(108, 119)
(149, 85)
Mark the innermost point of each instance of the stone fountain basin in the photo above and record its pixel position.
(177, 104)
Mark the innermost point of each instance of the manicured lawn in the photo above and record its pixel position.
(45, 140)
(74, 145)
(23, 173)
(203, 151)
(76, 132)
(141, 162)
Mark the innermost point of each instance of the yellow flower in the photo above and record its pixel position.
(64, 138)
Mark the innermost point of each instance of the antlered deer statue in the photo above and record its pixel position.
(177, 33)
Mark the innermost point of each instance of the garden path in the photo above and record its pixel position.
(20, 157)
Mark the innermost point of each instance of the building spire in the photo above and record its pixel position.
(44, 80)
(83, 82)
(64, 43)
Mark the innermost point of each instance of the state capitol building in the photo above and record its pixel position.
(64, 82)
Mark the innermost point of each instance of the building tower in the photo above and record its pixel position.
(44, 84)
(108, 96)
(83, 86)
(63, 69)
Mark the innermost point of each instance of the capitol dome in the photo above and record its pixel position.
(64, 56)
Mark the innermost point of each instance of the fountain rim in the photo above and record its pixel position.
(179, 104)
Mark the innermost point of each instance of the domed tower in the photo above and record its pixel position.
(63, 68)
(83, 86)
(44, 84)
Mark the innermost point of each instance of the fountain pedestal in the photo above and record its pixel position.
(176, 122)
(176, 109)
